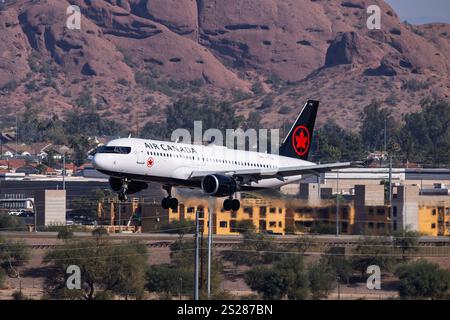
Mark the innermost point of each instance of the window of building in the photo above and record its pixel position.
(272, 224)
(344, 227)
(433, 212)
(381, 211)
(223, 224)
(262, 225)
(394, 211)
(262, 211)
(380, 225)
(233, 226)
(249, 211)
(370, 225)
(190, 210)
(280, 224)
(273, 210)
(370, 211)
(433, 226)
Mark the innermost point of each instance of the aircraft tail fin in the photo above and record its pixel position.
(298, 141)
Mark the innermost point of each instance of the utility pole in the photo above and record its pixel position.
(390, 187)
(196, 256)
(210, 239)
(202, 264)
(385, 135)
(120, 218)
(64, 172)
(337, 204)
(17, 134)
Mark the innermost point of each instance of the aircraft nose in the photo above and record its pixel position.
(97, 161)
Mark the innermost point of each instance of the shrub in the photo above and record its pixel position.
(415, 85)
(284, 110)
(423, 279)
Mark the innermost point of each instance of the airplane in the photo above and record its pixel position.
(216, 170)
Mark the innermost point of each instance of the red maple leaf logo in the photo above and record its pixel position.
(150, 162)
(301, 140)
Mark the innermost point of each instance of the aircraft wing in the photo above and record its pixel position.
(256, 174)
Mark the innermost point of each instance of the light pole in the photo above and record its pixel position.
(35, 215)
(337, 204)
(210, 239)
(196, 256)
(64, 172)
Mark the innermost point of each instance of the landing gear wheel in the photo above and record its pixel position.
(165, 203)
(173, 203)
(227, 204)
(235, 204)
(169, 203)
(123, 196)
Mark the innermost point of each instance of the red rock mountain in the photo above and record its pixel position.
(134, 57)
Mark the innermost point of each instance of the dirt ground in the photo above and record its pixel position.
(33, 274)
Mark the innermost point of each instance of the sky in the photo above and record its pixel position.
(422, 11)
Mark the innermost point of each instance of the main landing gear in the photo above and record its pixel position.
(231, 204)
(169, 202)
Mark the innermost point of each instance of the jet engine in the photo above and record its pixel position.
(218, 185)
(115, 184)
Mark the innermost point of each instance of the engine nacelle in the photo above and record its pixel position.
(133, 186)
(136, 186)
(218, 185)
(115, 184)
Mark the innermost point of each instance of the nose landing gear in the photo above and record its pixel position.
(169, 202)
(123, 195)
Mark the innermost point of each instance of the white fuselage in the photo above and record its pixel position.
(173, 163)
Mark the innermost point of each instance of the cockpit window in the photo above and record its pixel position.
(114, 149)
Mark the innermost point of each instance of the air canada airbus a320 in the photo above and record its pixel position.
(216, 170)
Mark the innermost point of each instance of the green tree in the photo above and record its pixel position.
(373, 250)
(374, 121)
(322, 279)
(322, 228)
(180, 227)
(105, 266)
(333, 143)
(286, 278)
(2, 277)
(425, 135)
(65, 233)
(254, 249)
(182, 257)
(13, 255)
(342, 266)
(11, 223)
(245, 227)
(423, 280)
(407, 241)
(28, 123)
(169, 280)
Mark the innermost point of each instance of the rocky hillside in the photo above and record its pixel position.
(134, 57)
